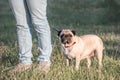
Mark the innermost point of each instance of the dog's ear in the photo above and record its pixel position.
(74, 33)
(59, 32)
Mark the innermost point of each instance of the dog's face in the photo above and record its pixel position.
(66, 36)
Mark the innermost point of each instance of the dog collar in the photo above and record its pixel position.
(70, 45)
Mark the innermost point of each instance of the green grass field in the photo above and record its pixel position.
(85, 17)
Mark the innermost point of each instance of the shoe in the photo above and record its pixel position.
(43, 66)
(21, 67)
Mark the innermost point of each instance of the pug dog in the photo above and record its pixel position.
(80, 47)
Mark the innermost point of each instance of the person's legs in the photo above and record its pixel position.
(22, 17)
(37, 10)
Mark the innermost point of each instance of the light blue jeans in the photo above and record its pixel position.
(27, 12)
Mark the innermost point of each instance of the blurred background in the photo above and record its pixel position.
(84, 11)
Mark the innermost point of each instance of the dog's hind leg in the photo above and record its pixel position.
(88, 62)
(99, 53)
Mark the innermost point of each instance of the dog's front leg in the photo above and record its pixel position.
(77, 63)
(67, 62)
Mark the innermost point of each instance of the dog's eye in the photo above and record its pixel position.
(67, 42)
(70, 35)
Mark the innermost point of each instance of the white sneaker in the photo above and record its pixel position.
(43, 66)
(21, 67)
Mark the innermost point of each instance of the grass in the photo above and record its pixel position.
(60, 15)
